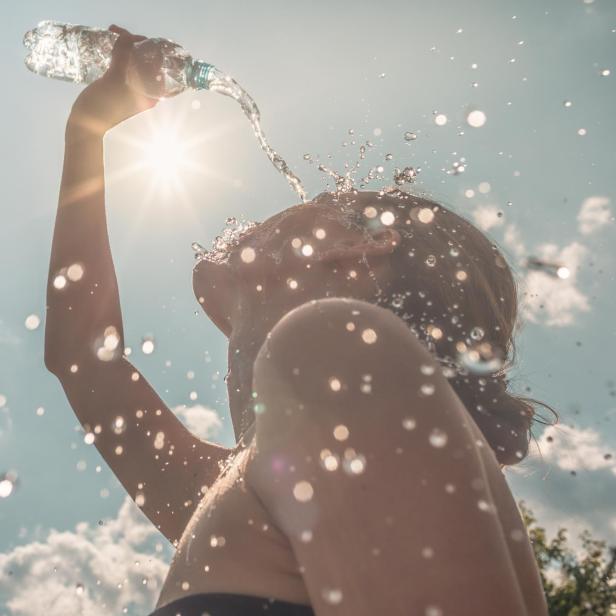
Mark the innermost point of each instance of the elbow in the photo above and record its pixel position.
(54, 353)
(52, 361)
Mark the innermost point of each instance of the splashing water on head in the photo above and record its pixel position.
(222, 244)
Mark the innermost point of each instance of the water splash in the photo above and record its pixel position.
(224, 84)
(344, 183)
(223, 243)
(405, 176)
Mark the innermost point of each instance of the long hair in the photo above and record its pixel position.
(455, 290)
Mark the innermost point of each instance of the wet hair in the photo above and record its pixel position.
(455, 290)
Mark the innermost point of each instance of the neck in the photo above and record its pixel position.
(244, 345)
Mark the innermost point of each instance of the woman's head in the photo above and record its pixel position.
(431, 267)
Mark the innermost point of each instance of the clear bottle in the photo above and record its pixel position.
(159, 68)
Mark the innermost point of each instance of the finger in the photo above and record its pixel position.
(121, 54)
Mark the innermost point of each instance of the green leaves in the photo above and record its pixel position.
(577, 585)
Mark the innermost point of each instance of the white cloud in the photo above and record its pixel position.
(513, 241)
(203, 422)
(574, 449)
(551, 300)
(594, 214)
(486, 217)
(93, 571)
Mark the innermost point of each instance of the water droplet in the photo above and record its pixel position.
(75, 272)
(303, 491)
(425, 215)
(333, 596)
(217, 541)
(159, 440)
(405, 176)
(408, 423)
(354, 464)
(476, 118)
(32, 322)
(582, 132)
(307, 250)
(477, 333)
(335, 384)
(427, 369)
(306, 536)
(369, 336)
(606, 72)
(119, 425)
(79, 589)
(320, 234)
(480, 359)
(408, 136)
(430, 260)
(329, 460)
(484, 505)
(341, 432)
(461, 275)
(307, 157)
(427, 389)
(370, 212)
(387, 218)
(292, 284)
(567, 104)
(440, 119)
(438, 438)
(382, 75)
(563, 272)
(147, 345)
(7, 484)
(59, 282)
(248, 254)
(435, 332)
(388, 156)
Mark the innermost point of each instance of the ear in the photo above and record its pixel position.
(382, 242)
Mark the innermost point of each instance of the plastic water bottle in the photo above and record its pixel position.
(159, 68)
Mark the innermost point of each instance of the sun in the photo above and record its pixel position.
(165, 155)
(169, 155)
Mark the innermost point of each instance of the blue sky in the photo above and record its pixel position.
(316, 70)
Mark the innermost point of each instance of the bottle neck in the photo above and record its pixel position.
(200, 75)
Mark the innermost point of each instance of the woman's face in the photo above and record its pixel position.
(296, 255)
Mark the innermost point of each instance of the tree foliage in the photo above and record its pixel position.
(575, 585)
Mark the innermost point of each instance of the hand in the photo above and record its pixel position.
(108, 101)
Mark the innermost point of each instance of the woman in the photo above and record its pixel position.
(367, 339)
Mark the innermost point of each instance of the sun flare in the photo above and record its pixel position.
(165, 154)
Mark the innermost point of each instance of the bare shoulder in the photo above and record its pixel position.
(340, 361)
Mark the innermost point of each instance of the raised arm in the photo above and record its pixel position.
(162, 465)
